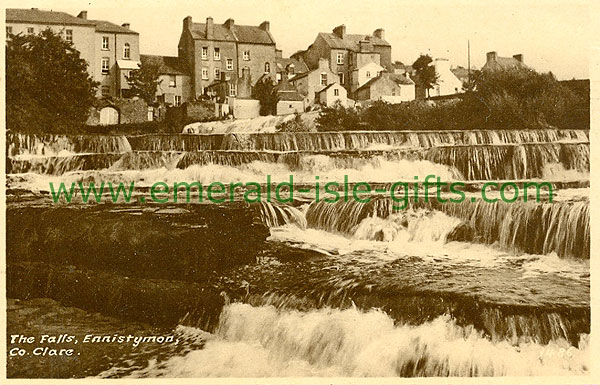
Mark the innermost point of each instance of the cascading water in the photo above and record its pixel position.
(462, 289)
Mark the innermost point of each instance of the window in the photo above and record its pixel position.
(105, 91)
(126, 51)
(204, 73)
(267, 67)
(217, 54)
(30, 31)
(336, 92)
(368, 74)
(105, 65)
(69, 33)
(172, 81)
(232, 90)
(105, 43)
(217, 73)
(341, 75)
(8, 31)
(323, 79)
(340, 58)
(204, 53)
(229, 64)
(246, 55)
(177, 100)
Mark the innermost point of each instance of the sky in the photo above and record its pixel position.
(552, 35)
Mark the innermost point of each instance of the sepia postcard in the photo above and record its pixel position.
(249, 191)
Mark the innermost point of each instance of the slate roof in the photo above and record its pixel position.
(397, 78)
(168, 65)
(299, 66)
(289, 96)
(350, 41)
(107, 26)
(326, 88)
(36, 16)
(239, 33)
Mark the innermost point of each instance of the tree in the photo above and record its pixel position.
(48, 88)
(426, 76)
(264, 91)
(145, 80)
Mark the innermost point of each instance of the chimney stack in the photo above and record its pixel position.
(125, 25)
(187, 23)
(519, 57)
(492, 56)
(379, 33)
(323, 63)
(340, 31)
(265, 25)
(229, 23)
(82, 15)
(210, 28)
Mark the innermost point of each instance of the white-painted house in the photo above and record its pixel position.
(332, 94)
(362, 75)
(447, 83)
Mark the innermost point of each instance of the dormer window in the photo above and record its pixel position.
(126, 51)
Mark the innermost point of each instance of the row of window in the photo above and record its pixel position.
(217, 54)
(66, 33)
(205, 72)
(126, 47)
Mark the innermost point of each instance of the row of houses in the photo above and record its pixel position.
(223, 62)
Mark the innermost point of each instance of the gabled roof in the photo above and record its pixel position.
(350, 41)
(283, 63)
(107, 26)
(36, 16)
(289, 96)
(328, 87)
(238, 33)
(504, 63)
(396, 78)
(168, 65)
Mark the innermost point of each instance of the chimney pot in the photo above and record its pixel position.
(492, 56)
(379, 33)
(209, 28)
(519, 57)
(82, 15)
(125, 25)
(265, 25)
(340, 31)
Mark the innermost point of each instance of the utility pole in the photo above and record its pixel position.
(469, 64)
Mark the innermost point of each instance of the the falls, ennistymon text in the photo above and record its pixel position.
(400, 192)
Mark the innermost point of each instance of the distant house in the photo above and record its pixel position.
(174, 87)
(388, 87)
(110, 50)
(332, 94)
(346, 52)
(447, 83)
(309, 83)
(498, 63)
(289, 67)
(209, 49)
(362, 75)
(289, 100)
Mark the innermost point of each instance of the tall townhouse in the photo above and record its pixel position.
(110, 50)
(348, 52)
(209, 49)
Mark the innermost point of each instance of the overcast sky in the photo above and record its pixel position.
(552, 35)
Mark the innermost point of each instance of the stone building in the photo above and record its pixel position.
(347, 52)
(174, 87)
(309, 83)
(209, 49)
(497, 63)
(110, 50)
(388, 87)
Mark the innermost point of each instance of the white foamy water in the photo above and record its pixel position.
(265, 342)
(421, 234)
